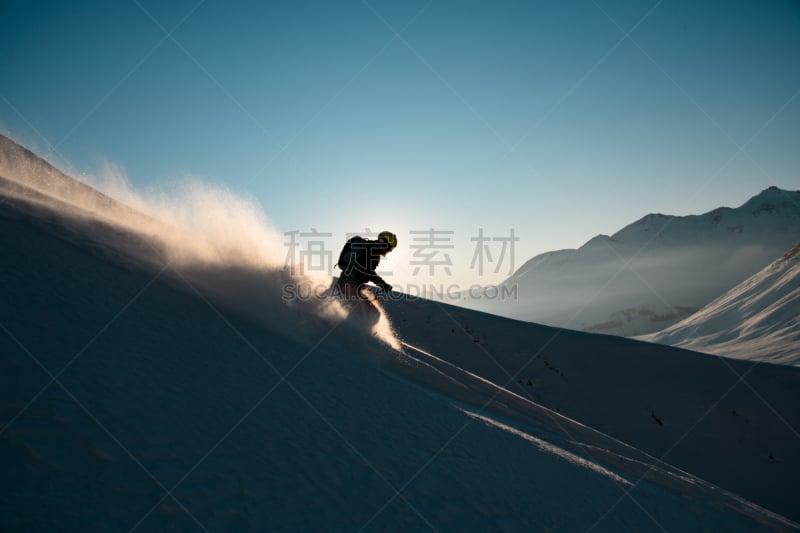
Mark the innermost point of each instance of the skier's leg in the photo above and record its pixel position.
(368, 309)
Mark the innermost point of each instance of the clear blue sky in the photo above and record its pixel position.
(560, 119)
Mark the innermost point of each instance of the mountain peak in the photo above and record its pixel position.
(596, 240)
(772, 200)
(774, 193)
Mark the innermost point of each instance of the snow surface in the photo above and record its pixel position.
(150, 385)
(759, 319)
(653, 273)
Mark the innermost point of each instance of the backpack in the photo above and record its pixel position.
(350, 254)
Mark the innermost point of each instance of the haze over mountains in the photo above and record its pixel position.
(654, 272)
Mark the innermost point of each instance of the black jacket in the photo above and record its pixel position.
(360, 258)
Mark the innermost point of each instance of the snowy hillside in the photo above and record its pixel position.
(150, 384)
(654, 272)
(759, 319)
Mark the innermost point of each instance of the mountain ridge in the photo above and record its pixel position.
(761, 202)
(660, 265)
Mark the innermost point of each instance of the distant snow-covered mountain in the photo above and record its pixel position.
(759, 319)
(654, 272)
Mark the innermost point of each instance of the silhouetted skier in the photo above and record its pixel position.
(358, 261)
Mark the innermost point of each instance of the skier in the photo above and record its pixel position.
(358, 260)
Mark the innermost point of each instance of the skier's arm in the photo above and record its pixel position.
(371, 275)
(377, 280)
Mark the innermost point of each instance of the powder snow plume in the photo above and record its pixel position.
(204, 237)
(227, 229)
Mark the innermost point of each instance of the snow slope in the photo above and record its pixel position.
(148, 390)
(731, 422)
(759, 319)
(654, 272)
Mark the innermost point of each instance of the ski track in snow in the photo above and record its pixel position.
(550, 448)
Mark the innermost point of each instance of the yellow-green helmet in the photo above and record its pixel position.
(388, 237)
